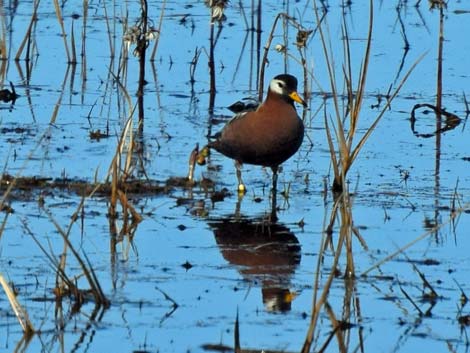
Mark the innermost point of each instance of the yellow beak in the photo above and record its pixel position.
(295, 97)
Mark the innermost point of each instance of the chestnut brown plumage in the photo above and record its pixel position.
(267, 136)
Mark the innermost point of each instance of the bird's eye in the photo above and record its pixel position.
(280, 84)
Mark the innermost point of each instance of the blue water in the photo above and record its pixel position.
(388, 211)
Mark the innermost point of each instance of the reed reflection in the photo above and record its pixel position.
(266, 255)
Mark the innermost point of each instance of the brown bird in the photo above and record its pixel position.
(268, 136)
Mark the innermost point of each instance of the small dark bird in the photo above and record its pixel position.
(267, 136)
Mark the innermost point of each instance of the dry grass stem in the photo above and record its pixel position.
(439, 57)
(121, 168)
(27, 37)
(62, 28)
(109, 31)
(83, 50)
(21, 314)
(4, 222)
(341, 133)
(236, 334)
(72, 44)
(3, 46)
(95, 287)
(58, 104)
(407, 296)
(159, 31)
(127, 206)
(68, 287)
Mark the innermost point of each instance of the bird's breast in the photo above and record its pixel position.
(268, 136)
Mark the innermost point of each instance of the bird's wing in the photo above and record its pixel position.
(236, 117)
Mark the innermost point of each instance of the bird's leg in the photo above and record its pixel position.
(274, 195)
(238, 207)
(241, 186)
(192, 163)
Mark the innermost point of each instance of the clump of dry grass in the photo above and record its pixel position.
(342, 129)
(345, 146)
(66, 285)
(121, 168)
(120, 172)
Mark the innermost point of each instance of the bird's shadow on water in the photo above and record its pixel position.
(266, 254)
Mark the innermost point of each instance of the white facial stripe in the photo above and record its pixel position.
(277, 86)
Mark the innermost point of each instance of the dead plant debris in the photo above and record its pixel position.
(83, 187)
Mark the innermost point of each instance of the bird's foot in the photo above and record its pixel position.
(202, 155)
(241, 189)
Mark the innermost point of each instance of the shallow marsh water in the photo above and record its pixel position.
(186, 249)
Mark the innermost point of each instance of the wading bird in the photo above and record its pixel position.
(267, 136)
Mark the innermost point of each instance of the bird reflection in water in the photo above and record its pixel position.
(265, 254)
